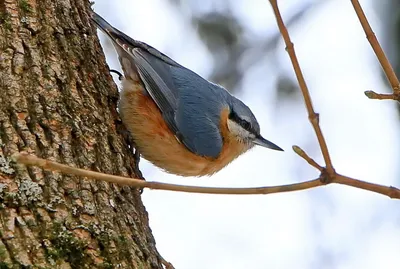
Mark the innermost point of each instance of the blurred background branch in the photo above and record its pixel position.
(233, 46)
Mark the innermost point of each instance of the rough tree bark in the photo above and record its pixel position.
(58, 101)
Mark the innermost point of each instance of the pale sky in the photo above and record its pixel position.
(328, 227)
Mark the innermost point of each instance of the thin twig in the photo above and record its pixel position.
(307, 158)
(313, 117)
(390, 191)
(380, 54)
(27, 159)
(382, 96)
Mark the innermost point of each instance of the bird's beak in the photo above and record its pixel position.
(261, 141)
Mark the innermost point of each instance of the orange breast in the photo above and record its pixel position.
(159, 145)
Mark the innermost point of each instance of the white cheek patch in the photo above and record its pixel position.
(238, 131)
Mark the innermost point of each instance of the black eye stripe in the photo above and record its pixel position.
(244, 123)
(233, 116)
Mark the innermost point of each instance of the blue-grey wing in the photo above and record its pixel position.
(188, 103)
(198, 114)
(159, 85)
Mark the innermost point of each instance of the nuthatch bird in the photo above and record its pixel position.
(179, 121)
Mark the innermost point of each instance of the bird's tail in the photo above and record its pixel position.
(126, 43)
(109, 30)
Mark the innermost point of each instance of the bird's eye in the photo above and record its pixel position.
(245, 124)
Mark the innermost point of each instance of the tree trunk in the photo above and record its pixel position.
(58, 101)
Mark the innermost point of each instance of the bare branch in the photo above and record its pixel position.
(328, 174)
(390, 191)
(312, 116)
(380, 54)
(27, 159)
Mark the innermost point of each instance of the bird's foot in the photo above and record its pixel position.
(120, 76)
